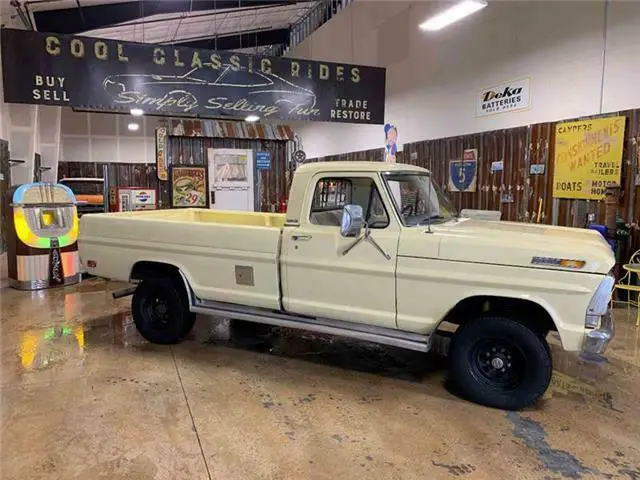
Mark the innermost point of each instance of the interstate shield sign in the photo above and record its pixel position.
(463, 173)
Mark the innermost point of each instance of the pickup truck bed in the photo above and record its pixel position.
(220, 242)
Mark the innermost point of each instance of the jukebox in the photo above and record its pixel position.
(42, 236)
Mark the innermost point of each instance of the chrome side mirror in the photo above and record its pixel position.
(352, 221)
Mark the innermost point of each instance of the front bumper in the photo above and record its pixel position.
(596, 340)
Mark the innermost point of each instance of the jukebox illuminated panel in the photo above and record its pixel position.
(42, 236)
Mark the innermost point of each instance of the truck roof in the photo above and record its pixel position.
(317, 167)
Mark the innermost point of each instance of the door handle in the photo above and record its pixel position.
(301, 237)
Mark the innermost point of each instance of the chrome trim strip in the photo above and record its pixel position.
(42, 284)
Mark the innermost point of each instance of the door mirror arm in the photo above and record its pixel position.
(368, 238)
(351, 226)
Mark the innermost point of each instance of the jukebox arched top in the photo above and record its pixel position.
(45, 215)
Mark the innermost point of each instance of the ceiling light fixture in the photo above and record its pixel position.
(137, 112)
(133, 127)
(452, 15)
(252, 118)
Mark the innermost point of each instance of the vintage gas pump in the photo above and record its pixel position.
(126, 199)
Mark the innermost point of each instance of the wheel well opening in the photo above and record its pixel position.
(146, 269)
(523, 311)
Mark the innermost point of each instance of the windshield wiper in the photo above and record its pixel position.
(430, 218)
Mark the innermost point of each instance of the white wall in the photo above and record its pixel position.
(18, 123)
(433, 78)
(49, 119)
(102, 137)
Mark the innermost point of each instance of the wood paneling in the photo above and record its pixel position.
(519, 148)
(5, 177)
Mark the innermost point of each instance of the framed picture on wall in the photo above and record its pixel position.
(229, 166)
(189, 187)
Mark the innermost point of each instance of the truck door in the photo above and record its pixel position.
(318, 278)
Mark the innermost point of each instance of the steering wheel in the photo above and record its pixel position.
(407, 210)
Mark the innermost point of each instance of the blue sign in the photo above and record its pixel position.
(462, 175)
(263, 160)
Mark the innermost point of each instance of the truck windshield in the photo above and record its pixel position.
(418, 200)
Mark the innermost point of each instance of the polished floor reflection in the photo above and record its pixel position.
(84, 397)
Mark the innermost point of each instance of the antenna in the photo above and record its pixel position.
(429, 200)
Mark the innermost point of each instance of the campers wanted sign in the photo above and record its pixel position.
(111, 75)
(506, 97)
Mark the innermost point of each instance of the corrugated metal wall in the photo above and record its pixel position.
(374, 155)
(513, 191)
(193, 151)
(5, 177)
(274, 182)
(519, 148)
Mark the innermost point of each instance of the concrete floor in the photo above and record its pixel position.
(84, 397)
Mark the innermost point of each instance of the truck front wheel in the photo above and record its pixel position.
(500, 363)
(161, 311)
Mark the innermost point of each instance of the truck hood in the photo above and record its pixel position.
(514, 244)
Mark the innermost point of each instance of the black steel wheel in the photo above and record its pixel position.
(161, 311)
(500, 363)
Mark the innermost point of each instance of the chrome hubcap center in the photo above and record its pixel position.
(497, 362)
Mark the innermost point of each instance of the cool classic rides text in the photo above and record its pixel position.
(181, 58)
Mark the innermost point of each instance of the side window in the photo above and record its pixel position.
(332, 194)
(375, 213)
(329, 198)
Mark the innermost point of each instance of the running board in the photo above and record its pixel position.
(369, 333)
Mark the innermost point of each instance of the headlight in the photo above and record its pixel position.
(599, 304)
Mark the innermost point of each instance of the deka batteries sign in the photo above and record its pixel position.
(505, 97)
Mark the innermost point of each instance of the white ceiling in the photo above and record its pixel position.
(166, 28)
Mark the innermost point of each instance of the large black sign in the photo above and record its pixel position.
(109, 75)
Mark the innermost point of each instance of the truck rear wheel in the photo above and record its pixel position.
(500, 363)
(161, 311)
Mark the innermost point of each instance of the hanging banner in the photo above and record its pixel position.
(161, 153)
(588, 157)
(463, 173)
(111, 75)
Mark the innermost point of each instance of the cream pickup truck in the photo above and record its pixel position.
(375, 252)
